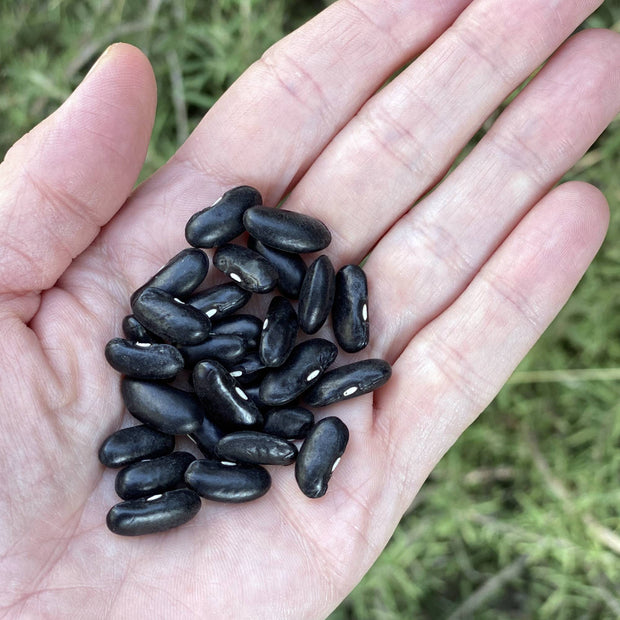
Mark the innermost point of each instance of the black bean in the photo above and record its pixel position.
(348, 382)
(222, 221)
(350, 310)
(247, 326)
(144, 360)
(286, 230)
(247, 268)
(206, 437)
(220, 300)
(279, 332)
(227, 404)
(170, 318)
(148, 477)
(224, 348)
(305, 365)
(317, 295)
(252, 392)
(135, 331)
(181, 275)
(290, 267)
(319, 455)
(227, 483)
(163, 407)
(158, 513)
(248, 370)
(132, 444)
(288, 422)
(257, 448)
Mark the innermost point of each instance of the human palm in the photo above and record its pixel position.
(460, 287)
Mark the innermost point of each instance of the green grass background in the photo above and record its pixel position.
(521, 519)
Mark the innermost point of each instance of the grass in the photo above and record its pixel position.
(521, 519)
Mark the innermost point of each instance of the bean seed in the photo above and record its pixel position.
(135, 331)
(350, 310)
(170, 318)
(180, 275)
(146, 478)
(317, 295)
(155, 361)
(279, 332)
(255, 447)
(306, 363)
(224, 348)
(286, 230)
(319, 455)
(222, 221)
(161, 406)
(288, 422)
(206, 437)
(149, 515)
(348, 382)
(247, 268)
(227, 483)
(132, 444)
(226, 402)
(247, 326)
(290, 267)
(248, 370)
(220, 300)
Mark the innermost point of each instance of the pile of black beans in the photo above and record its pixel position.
(244, 375)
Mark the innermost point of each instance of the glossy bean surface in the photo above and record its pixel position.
(252, 392)
(149, 515)
(247, 326)
(350, 309)
(348, 381)
(247, 268)
(224, 348)
(279, 332)
(227, 483)
(317, 295)
(290, 267)
(226, 402)
(135, 331)
(220, 300)
(148, 477)
(170, 318)
(304, 366)
(256, 447)
(134, 443)
(288, 422)
(144, 360)
(222, 221)
(286, 230)
(319, 455)
(180, 275)
(161, 406)
(206, 437)
(248, 370)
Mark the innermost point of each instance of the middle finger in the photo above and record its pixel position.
(404, 139)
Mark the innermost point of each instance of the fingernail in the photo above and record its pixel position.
(99, 60)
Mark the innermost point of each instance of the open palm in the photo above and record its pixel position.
(460, 287)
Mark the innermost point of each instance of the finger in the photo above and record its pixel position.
(434, 251)
(276, 118)
(404, 139)
(67, 177)
(455, 366)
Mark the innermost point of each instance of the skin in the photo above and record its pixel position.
(460, 287)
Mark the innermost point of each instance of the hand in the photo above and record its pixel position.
(460, 287)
